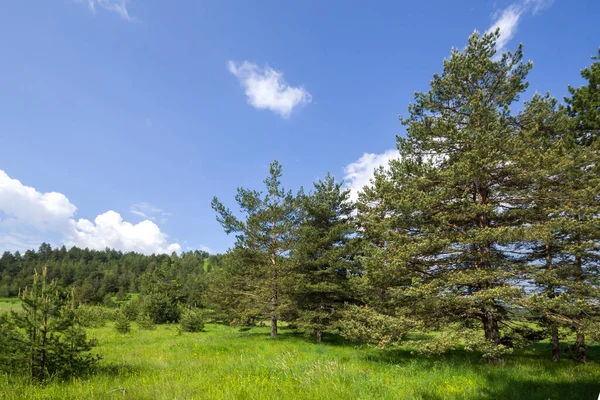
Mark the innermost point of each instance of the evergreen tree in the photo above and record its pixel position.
(565, 166)
(542, 159)
(122, 323)
(231, 287)
(192, 321)
(145, 322)
(584, 104)
(573, 228)
(264, 240)
(448, 202)
(323, 261)
(161, 296)
(46, 337)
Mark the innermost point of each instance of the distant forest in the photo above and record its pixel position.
(99, 276)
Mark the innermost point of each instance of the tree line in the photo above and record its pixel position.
(101, 276)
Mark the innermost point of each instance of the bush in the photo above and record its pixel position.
(122, 295)
(94, 316)
(122, 324)
(131, 309)
(108, 301)
(145, 322)
(161, 308)
(192, 321)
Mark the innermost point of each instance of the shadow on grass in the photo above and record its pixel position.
(114, 370)
(517, 389)
(498, 387)
(528, 374)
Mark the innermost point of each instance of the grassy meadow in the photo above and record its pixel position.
(223, 363)
(9, 303)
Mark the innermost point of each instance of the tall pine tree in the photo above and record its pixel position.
(264, 241)
(448, 203)
(323, 259)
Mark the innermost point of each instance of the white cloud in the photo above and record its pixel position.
(359, 173)
(119, 7)
(508, 19)
(148, 211)
(205, 248)
(507, 22)
(109, 230)
(266, 88)
(25, 205)
(28, 217)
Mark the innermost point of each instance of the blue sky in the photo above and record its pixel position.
(121, 119)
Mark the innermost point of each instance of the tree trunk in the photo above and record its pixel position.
(275, 288)
(492, 332)
(581, 349)
(274, 326)
(319, 334)
(490, 326)
(555, 343)
(274, 304)
(553, 328)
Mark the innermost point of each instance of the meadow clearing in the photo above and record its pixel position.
(224, 363)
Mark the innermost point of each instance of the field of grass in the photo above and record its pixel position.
(223, 363)
(9, 303)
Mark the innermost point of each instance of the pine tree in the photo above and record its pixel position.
(145, 322)
(577, 222)
(584, 105)
(323, 260)
(264, 241)
(442, 216)
(122, 323)
(545, 164)
(49, 337)
(565, 195)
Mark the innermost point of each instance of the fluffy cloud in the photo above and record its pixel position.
(266, 88)
(28, 217)
(359, 173)
(119, 7)
(109, 230)
(508, 19)
(25, 205)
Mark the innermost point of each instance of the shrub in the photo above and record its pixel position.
(122, 295)
(192, 321)
(122, 324)
(161, 308)
(108, 301)
(94, 316)
(131, 309)
(145, 322)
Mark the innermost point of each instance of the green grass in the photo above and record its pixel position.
(222, 363)
(9, 303)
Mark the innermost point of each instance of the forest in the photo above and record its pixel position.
(476, 250)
